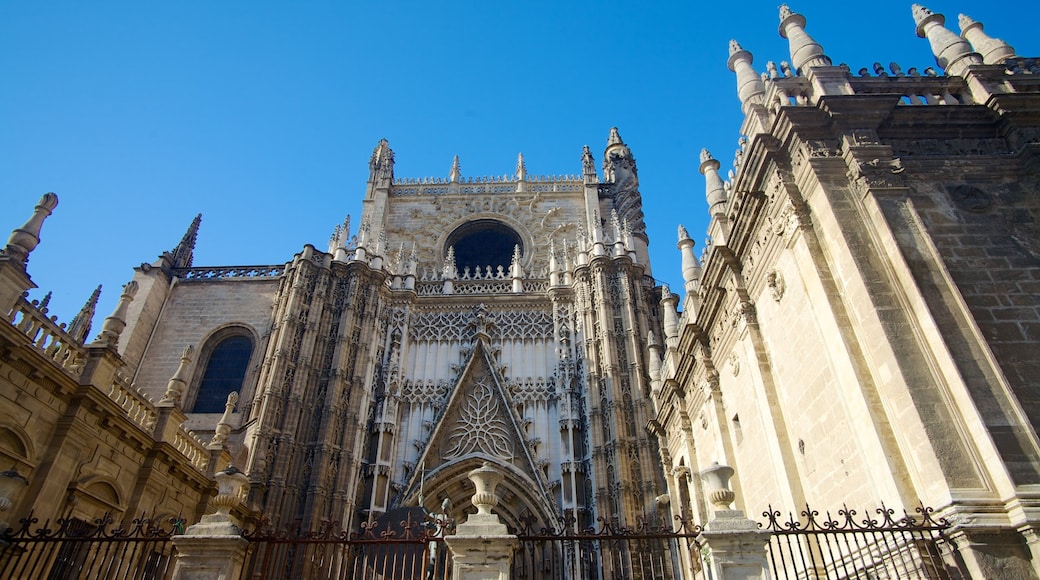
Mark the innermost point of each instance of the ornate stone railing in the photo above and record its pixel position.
(47, 336)
(191, 447)
(478, 185)
(233, 272)
(490, 286)
(916, 89)
(139, 409)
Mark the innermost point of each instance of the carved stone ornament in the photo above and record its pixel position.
(970, 198)
(879, 173)
(775, 283)
(734, 364)
(481, 426)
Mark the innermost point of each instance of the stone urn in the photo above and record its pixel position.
(716, 484)
(485, 478)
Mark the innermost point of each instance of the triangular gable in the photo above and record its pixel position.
(477, 421)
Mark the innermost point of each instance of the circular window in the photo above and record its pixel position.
(483, 243)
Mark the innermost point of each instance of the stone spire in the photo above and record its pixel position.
(750, 89)
(79, 328)
(714, 188)
(381, 165)
(669, 302)
(588, 164)
(691, 267)
(25, 239)
(993, 50)
(655, 359)
(516, 270)
(116, 322)
(182, 255)
(521, 168)
(175, 386)
(952, 52)
(805, 52)
(45, 302)
(456, 170)
(223, 428)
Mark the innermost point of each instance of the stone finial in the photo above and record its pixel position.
(223, 428)
(334, 239)
(750, 88)
(588, 164)
(805, 52)
(450, 271)
(691, 267)
(25, 239)
(715, 190)
(614, 138)
(381, 164)
(655, 357)
(516, 270)
(79, 328)
(175, 386)
(183, 254)
(116, 322)
(993, 50)
(669, 302)
(521, 168)
(952, 53)
(456, 170)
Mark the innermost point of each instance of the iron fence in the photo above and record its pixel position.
(411, 548)
(873, 547)
(645, 552)
(80, 549)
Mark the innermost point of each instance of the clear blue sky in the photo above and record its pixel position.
(262, 115)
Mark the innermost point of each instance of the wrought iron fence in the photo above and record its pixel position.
(411, 548)
(647, 551)
(80, 549)
(873, 547)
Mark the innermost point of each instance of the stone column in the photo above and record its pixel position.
(736, 547)
(482, 548)
(214, 548)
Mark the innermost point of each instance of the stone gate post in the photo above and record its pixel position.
(482, 548)
(736, 547)
(214, 548)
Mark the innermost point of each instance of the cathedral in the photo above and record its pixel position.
(860, 329)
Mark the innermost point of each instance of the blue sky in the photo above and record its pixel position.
(262, 115)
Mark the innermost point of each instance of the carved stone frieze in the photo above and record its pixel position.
(449, 325)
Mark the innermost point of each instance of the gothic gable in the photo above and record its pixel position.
(478, 423)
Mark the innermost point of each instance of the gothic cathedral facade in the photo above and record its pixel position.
(382, 370)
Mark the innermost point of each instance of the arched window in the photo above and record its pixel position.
(225, 371)
(483, 243)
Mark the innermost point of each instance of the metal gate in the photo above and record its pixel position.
(874, 546)
(76, 548)
(411, 548)
(647, 551)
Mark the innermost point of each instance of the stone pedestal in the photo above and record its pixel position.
(482, 548)
(736, 547)
(214, 548)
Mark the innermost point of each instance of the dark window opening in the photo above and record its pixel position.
(225, 371)
(484, 243)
